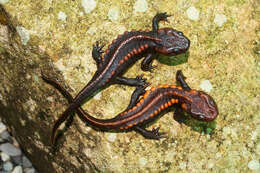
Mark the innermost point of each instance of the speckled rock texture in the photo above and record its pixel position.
(56, 37)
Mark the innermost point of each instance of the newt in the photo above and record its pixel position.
(124, 51)
(146, 105)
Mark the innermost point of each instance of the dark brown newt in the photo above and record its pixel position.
(145, 106)
(124, 52)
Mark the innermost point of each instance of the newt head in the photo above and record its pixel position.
(201, 107)
(172, 42)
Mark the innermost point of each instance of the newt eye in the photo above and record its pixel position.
(211, 102)
(180, 33)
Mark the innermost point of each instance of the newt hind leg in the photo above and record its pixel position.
(150, 134)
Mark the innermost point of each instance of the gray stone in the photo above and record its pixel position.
(17, 160)
(10, 149)
(26, 162)
(8, 166)
(2, 127)
(5, 135)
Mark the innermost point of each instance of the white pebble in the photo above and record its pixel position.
(206, 85)
(62, 16)
(18, 169)
(220, 19)
(253, 165)
(88, 5)
(8, 166)
(59, 65)
(3, 1)
(193, 13)
(10, 149)
(142, 162)
(5, 157)
(2, 127)
(24, 34)
(140, 6)
(113, 14)
(183, 165)
(112, 137)
(254, 135)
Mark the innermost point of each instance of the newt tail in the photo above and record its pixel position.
(146, 105)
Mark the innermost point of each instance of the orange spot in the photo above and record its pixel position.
(176, 101)
(169, 103)
(162, 107)
(121, 128)
(146, 118)
(138, 104)
(166, 105)
(126, 127)
(193, 91)
(156, 112)
(165, 86)
(153, 88)
(135, 51)
(126, 58)
(152, 114)
(135, 123)
(142, 100)
(180, 88)
(130, 125)
(129, 55)
(139, 50)
(134, 108)
(184, 106)
(142, 47)
(173, 86)
(172, 101)
(146, 46)
(147, 93)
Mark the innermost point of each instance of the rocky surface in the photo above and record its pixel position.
(224, 52)
(12, 158)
